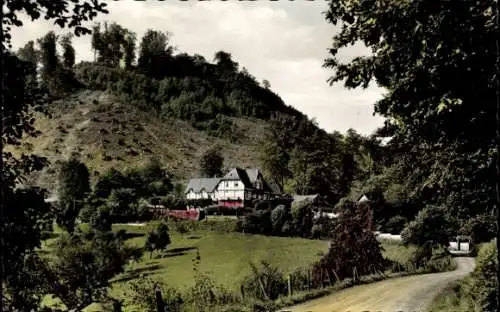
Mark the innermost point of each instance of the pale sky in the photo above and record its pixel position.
(284, 42)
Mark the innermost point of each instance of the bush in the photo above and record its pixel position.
(395, 225)
(257, 222)
(302, 215)
(484, 290)
(480, 228)
(264, 283)
(431, 225)
(157, 239)
(278, 218)
(141, 296)
(205, 295)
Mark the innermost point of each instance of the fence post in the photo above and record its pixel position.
(160, 305)
(289, 285)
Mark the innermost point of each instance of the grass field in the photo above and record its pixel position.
(225, 256)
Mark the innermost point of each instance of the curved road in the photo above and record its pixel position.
(404, 294)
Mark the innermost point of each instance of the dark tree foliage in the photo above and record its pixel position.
(48, 55)
(20, 95)
(24, 228)
(432, 224)
(110, 43)
(83, 265)
(74, 187)
(354, 250)
(442, 129)
(111, 179)
(157, 239)
(211, 163)
(155, 53)
(68, 50)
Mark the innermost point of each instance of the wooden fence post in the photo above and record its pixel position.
(289, 285)
(160, 305)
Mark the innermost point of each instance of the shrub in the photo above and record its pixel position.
(278, 218)
(480, 228)
(142, 297)
(484, 278)
(395, 225)
(430, 225)
(257, 222)
(302, 215)
(205, 295)
(264, 283)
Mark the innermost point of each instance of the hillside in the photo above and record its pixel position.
(108, 133)
(125, 107)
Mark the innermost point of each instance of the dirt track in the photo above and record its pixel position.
(405, 294)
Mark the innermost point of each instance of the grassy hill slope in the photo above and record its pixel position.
(108, 133)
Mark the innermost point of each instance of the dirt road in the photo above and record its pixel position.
(405, 294)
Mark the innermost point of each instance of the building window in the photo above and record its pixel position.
(235, 184)
(226, 184)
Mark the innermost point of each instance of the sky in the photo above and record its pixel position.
(284, 42)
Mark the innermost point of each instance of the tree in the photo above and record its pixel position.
(110, 43)
(29, 54)
(68, 50)
(440, 123)
(111, 179)
(48, 56)
(302, 218)
(422, 105)
(83, 264)
(275, 155)
(225, 62)
(430, 225)
(354, 250)
(158, 239)
(266, 84)
(129, 49)
(154, 52)
(18, 100)
(24, 229)
(74, 187)
(211, 162)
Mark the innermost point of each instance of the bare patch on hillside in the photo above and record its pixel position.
(108, 133)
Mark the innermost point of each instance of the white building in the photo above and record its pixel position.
(203, 188)
(232, 190)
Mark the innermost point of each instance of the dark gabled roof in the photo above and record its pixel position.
(238, 174)
(252, 174)
(247, 176)
(208, 184)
